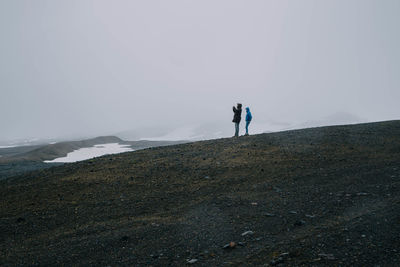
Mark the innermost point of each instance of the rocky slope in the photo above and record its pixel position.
(320, 196)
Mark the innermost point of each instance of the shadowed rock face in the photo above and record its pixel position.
(321, 196)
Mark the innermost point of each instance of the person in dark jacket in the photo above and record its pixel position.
(237, 117)
(248, 120)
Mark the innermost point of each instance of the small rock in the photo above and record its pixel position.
(20, 220)
(230, 245)
(362, 194)
(299, 223)
(206, 177)
(277, 189)
(284, 255)
(326, 256)
(124, 238)
(192, 261)
(254, 203)
(269, 214)
(310, 216)
(276, 261)
(247, 233)
(293, 212)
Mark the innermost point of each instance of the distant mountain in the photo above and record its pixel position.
(140, 133)
(214, 130)
(191, 132)
(339, 118)
(26, 142)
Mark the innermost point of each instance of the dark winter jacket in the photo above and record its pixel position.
(238, 114)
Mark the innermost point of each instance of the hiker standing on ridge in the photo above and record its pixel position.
(248, 119)
(237, 117)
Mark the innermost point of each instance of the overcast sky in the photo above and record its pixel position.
(99, 67)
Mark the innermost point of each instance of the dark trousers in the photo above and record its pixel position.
(236, 128)
(247, 127)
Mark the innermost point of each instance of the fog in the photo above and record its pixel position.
(88, 68)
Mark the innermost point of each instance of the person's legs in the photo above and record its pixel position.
(247, 127)
(236, 129)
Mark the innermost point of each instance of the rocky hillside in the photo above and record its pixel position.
(61, 149)
(320, 196)
(52, 151)
(17, 160)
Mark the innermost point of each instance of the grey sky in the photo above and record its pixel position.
(99, 67)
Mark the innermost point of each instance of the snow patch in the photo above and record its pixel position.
(92, 152)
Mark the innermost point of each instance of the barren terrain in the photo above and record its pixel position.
(319, 196)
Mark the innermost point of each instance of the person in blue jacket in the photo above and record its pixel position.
(248, 120)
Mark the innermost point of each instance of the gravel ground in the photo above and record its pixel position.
(319, 196)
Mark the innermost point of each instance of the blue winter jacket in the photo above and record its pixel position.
(248, 115)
